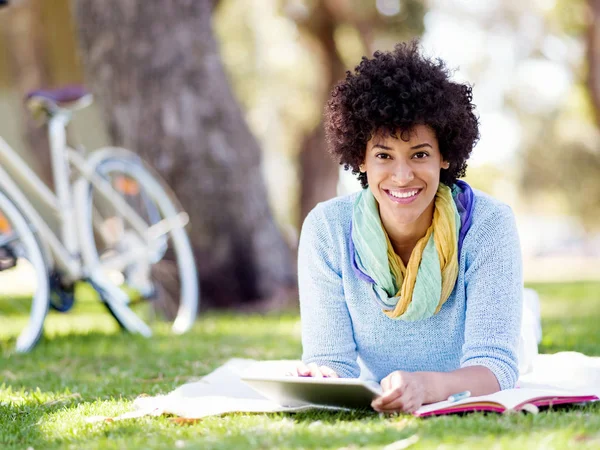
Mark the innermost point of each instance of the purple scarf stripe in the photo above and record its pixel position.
(464, 204)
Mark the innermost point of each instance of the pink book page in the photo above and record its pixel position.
(510, 399)
(469, 407)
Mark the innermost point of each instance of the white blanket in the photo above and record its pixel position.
(222, 391)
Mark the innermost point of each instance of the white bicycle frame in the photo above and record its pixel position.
(64, 252)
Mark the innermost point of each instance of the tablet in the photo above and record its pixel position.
(294, 391)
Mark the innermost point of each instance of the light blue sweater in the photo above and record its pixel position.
(478, 325)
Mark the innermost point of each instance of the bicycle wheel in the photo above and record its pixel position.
(158, 265)
(24, 285)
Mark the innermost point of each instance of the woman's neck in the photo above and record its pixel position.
(404, 236)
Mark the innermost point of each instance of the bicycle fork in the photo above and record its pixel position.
(115, 299)
(117, 302)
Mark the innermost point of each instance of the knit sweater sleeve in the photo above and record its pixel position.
(327, 333)
(494, 286)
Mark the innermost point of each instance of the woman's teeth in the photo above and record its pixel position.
(404, 194)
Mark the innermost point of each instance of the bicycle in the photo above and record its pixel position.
(118, 221)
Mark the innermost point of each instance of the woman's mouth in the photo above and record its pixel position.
(403, 196)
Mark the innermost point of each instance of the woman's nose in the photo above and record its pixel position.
(403, 173)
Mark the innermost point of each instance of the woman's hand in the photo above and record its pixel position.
(313, 370)
(402, 392)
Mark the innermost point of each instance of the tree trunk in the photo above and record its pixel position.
(22, 30)
(593, 56)
(156, 71)
(318, 170)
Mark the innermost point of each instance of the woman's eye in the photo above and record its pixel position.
(382, 156)
(421, 155)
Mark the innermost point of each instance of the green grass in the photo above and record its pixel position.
(85, 367)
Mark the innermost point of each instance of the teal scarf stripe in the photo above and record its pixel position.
(370, 243)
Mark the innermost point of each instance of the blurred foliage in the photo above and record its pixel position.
(569, 16)
(570, 173)
(485, 177)
(4, 74)
(276, 66)
(561, 157)
(280, 69)
(272, 73)
(270, 56)
(557, 167)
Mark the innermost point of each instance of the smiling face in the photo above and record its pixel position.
(404, 177)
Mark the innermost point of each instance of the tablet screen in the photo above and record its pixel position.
(300, 391)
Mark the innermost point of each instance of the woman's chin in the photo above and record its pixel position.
(404, 218)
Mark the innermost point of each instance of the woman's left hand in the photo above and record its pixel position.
(402, 392)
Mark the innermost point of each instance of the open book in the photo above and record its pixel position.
(508, 400)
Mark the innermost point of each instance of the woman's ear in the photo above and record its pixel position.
(445, 165)
(361, 168)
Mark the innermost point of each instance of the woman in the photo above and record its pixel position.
(417, 277)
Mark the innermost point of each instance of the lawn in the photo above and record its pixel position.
(85, 367)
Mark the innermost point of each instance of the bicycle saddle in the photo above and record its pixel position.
(51, 100)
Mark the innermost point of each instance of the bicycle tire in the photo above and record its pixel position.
(143, 178)
(18, 238)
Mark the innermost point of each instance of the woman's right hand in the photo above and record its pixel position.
(314, 370)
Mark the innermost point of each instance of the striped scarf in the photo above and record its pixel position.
(418, 290)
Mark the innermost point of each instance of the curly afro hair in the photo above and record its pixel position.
(393, 92)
